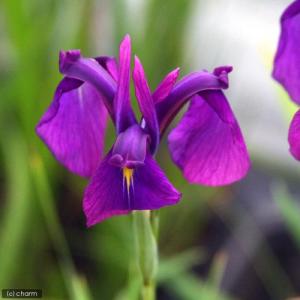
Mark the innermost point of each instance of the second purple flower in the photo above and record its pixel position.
(287, 67)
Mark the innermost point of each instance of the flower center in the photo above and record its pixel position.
(129, 150)
(128, 177)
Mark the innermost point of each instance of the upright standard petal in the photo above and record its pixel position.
(73, 127)
(185, 89)
(146, 103)
(164, 88)
(294, 136)
(287, 60)
(124, 116)
(72, 64)
(108, 193)
(207, 144)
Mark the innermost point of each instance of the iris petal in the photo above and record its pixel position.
(165, 87)
(124, 116)
(146, 103)
(107, 194)
(294, 136)
(130, 148)
(207, 144)
(74, 126)
(73, 65)
(110, 64)
(187, 87)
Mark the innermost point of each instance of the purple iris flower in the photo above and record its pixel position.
(207, 145)
(287, 67)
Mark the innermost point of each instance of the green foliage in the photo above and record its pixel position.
(289, 210)
(34, 31)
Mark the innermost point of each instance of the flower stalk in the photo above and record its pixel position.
(146, 250)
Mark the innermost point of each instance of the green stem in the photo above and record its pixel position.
(154, 220)
(145, 231)
(148, 292)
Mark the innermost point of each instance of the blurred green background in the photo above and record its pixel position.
(236, 242)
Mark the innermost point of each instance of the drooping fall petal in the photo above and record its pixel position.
(73, 65)
(207, 144)
(74, 126)
(108, 193)
(294, 136)
(287, 60)
(110, 64)
(185, 89)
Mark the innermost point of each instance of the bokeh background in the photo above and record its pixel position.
(237, 242)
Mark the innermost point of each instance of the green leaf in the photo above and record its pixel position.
(178, 264)
(190, 287)
(289, 210)
(18, 208)
(76, 285)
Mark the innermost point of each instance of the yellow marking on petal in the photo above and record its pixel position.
(127, 174)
